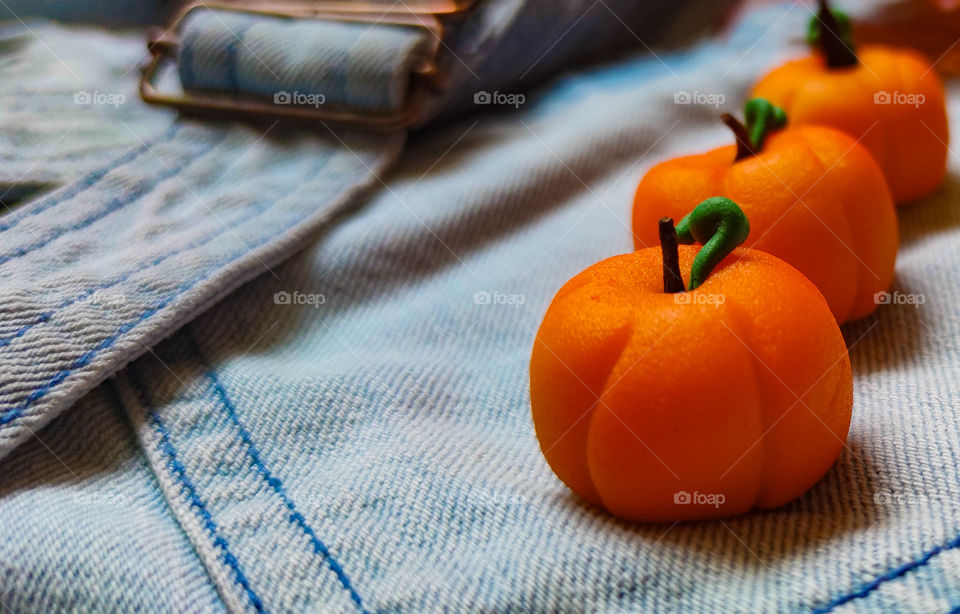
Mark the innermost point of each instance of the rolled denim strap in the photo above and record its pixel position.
(364, 67)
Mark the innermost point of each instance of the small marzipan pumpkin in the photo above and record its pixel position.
(661, 404)
(890, 99)
(815, 198)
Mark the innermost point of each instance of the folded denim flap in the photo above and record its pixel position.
(97, 273)
(355, 65)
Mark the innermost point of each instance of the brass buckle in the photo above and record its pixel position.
(427, 79)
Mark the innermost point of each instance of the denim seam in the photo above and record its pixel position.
(91, 179)
(38, 393)
(46, 316)
(115, 205)
(179, 472)
(893, 574)
(14, 412)
(275, 484)
(124, 411)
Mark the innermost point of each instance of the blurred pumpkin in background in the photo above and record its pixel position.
(888, 98)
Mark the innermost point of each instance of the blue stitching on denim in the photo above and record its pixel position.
(44, 317)
(90, 180)
(15, 412)
(275, 483)
(196, 502)
(255, 212)
(893, 574)
(113, 205)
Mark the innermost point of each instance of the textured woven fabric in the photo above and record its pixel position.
(82, 85)
(352, 432)
(86, 529)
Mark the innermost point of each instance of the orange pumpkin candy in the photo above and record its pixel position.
(815, 198)
(663, 407)
(890, 99)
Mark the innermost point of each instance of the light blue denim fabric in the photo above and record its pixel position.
(45, 70)
(351, 431)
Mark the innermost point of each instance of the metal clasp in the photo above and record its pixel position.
(426, 77)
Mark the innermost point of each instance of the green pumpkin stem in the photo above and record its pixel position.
(761, 117)
(831, 31)
(672, 278)
(719, 225)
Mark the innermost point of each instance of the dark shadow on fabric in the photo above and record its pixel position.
(13, 195)
(889, 337)
(935, 214)
(845, 500)
(86, 441)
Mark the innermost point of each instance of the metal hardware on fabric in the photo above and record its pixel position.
(426, 78)
(307, 8)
